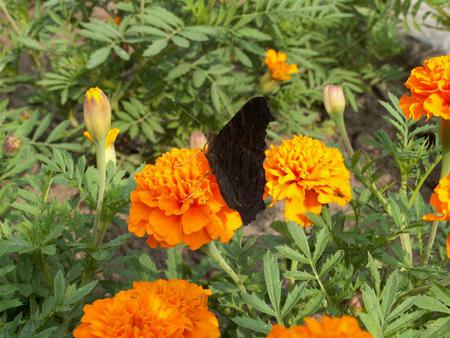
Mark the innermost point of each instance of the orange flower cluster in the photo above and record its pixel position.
(325, 327)
(177, 200)
(307, 174)
(173, 309)
(440, 200)
(279, 69)
(430, 90)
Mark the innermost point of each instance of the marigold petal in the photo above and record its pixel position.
(193, 220)
(166, 226)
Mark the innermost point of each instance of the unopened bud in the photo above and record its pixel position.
(11, 145)
(97, 113)
(355, 304)
(197, 140)
(268, 85)
(333, 99)
(25, 115)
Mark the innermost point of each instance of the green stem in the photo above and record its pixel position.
(422, 181)
(99, 227)
(339, 121)
(322, 287)
(445, 168)
(214, 253)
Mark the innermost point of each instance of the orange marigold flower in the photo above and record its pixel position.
(279, 69)
(440, 200)
(177, 200)
(430, 90)
(325, 327)
(306, 174)
(163, 308)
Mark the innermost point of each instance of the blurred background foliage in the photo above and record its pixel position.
(173, 66)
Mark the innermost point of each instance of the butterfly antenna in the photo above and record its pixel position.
(185, 111)
(198, 186)
(177, 165)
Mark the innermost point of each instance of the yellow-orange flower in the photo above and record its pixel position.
(440, 200)
(110, 152)
(448, 245)
(307, 175)
(278, 68)
(177, 200)
(325, 327)
(163, 308)
(430, 90)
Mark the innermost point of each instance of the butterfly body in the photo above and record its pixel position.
(236, 156)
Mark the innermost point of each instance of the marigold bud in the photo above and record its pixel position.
(355, 304)
(11, 145)
(25, 115)
(197, 140)
(268, 85)
(97, 113)
(333, 99)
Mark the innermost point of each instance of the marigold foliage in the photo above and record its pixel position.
(307, 175)
(163, 308)
(278, 68)
(325, 327)
(177, 200)
(440, 200)
(429, 86)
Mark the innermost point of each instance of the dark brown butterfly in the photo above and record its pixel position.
(236, 156)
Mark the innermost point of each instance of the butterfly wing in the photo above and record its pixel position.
(236, 156)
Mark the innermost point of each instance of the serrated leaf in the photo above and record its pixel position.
(199, 77)
(42, 127)
(292, 254)
(374, 272)
(272, 278)
(258, 304)
(298, 234)
(254, 34)
(59, 286)
(299, 275)
(321, 243)
(331, 262)
(292, 299)
(80, 293)
(256, 325)
(57, 132)
(431, 304)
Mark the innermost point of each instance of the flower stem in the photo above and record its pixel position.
(214, 253)
(339, 121)
(99, 227)
(445, 168)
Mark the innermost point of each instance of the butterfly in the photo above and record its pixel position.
(236, 155)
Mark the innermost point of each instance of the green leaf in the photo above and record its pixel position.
(98, 57)
(388, 294)
(199, 77)
(156, 47)
(331, 262)
(374, 272)
(9, 304)
(57, 132)
(292, 254)
(80, 293)
(256, 325)
(173, 263)
(180, 42)
(431, 304)
(258, 304)
(298, 234)
(122, 53)
(272, 277)
(42, 127)
(59, 286)
(254, 34)
(292, 299)
(299, 275)
(179, 70)
(321, 243)
(49, 250)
